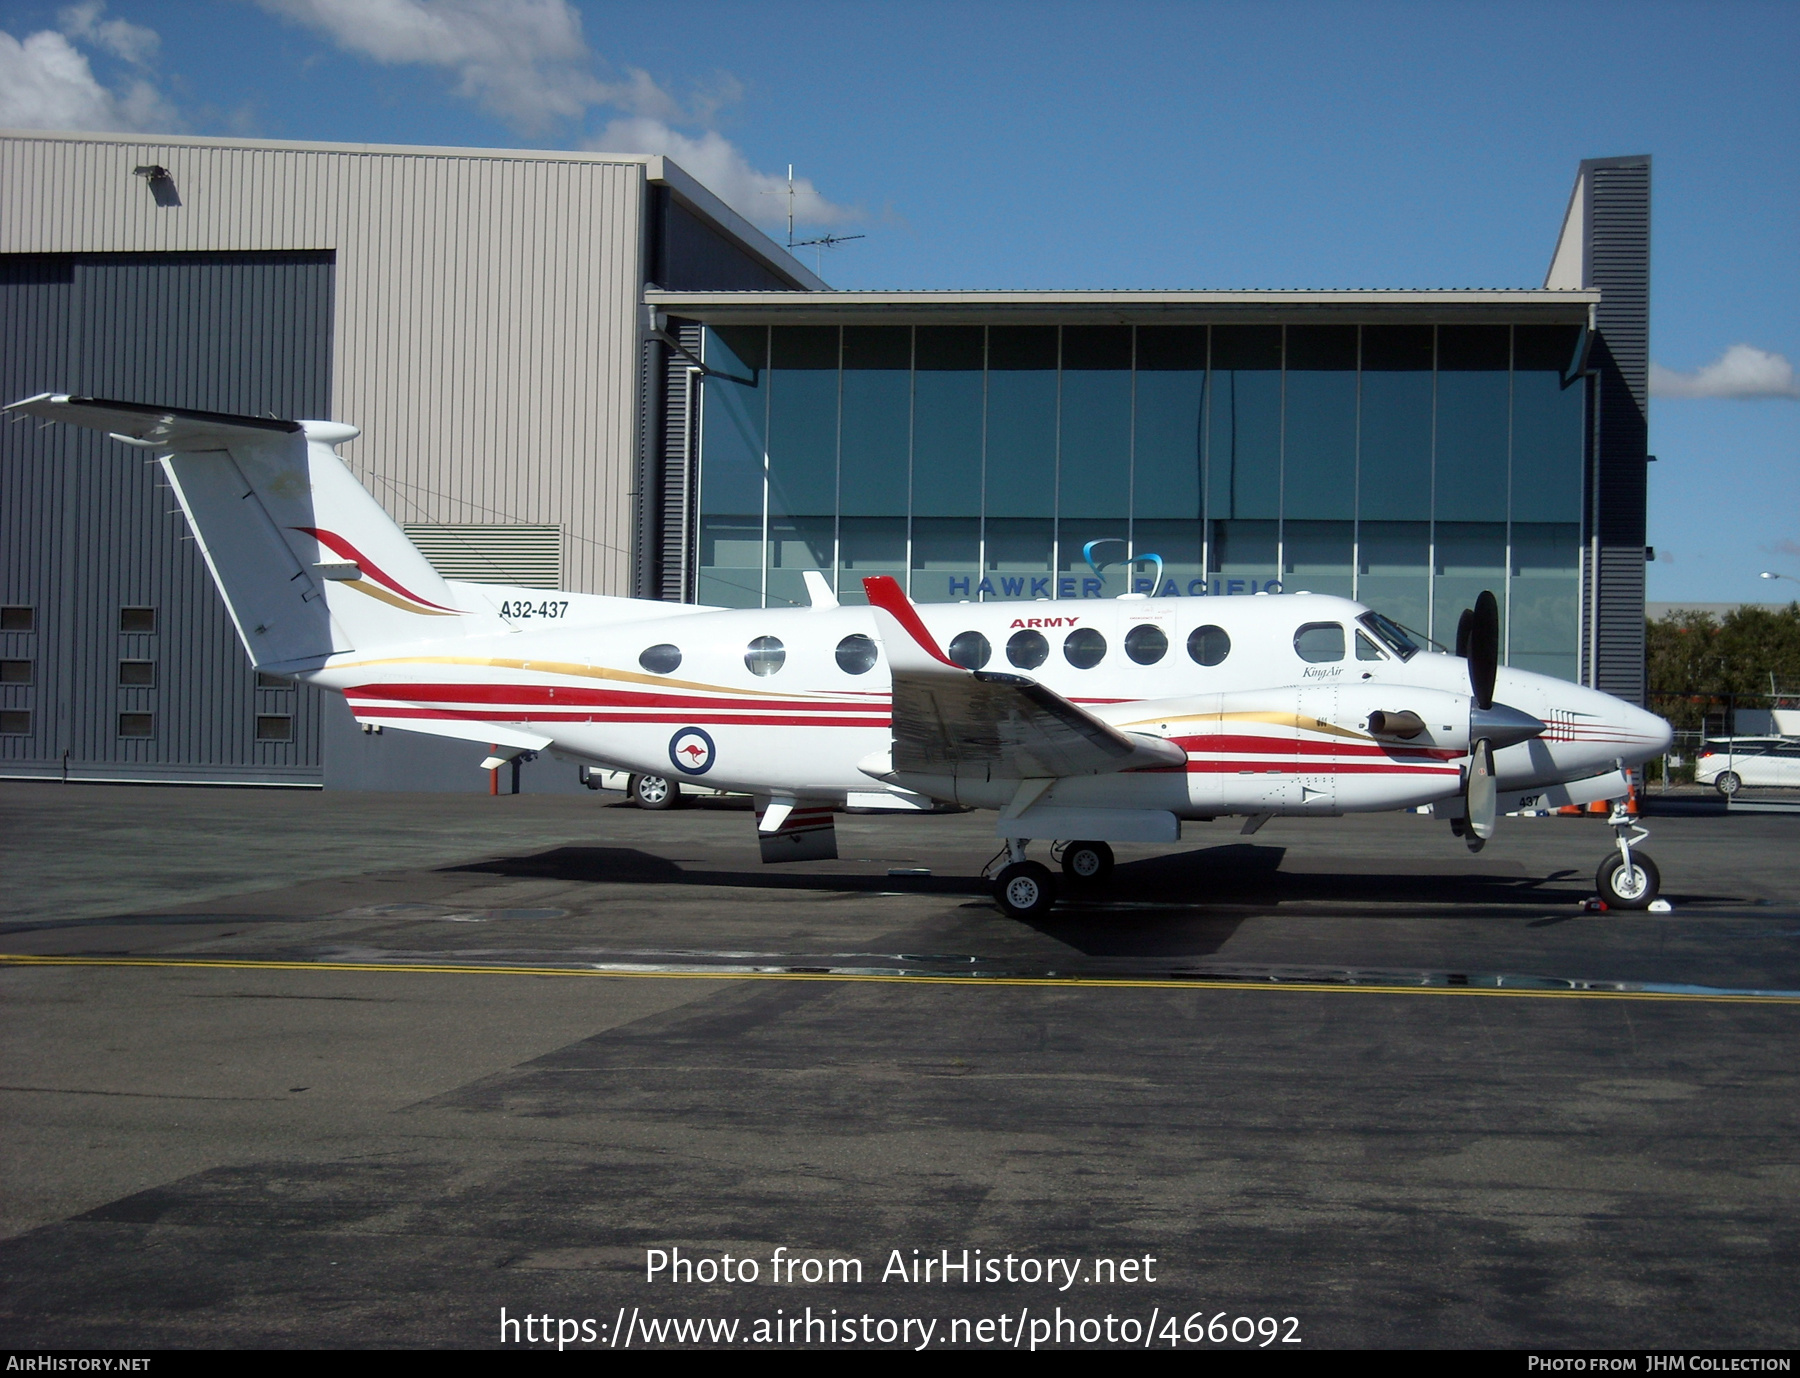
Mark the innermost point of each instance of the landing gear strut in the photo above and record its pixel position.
(1627, 879)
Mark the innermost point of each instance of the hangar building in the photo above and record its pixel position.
(584, 370)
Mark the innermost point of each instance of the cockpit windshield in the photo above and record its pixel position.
(1390, 634)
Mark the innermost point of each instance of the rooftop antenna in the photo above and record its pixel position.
(818, 246)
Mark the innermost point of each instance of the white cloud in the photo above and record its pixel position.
(46, 83)
(131, 42)
(1741, 371)
(718, 164)
(525, 60)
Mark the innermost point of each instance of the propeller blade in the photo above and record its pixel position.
(1481, 800)
(1463, 624)
(1484, 648)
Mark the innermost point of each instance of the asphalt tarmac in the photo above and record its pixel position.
(289, 1068)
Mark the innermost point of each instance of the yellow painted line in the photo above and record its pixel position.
(1119, 982)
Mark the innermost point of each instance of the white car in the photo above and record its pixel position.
(1728, 764)
(646, 791)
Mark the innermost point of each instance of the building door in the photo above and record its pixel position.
(131, 669)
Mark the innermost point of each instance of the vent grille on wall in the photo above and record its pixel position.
(528, 556)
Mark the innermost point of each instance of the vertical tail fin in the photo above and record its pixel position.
(306, 559)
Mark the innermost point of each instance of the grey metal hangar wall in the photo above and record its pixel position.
(477, 312)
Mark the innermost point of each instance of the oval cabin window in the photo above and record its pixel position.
(856, 654)
(1084, 648)
(970, 650)
(661, 660)
(1209, 645)
(1027, 650)
(765, 655)
(1146, 644)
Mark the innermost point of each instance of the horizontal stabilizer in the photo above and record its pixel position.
(175, 429)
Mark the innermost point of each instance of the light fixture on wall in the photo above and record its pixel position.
(161, 184)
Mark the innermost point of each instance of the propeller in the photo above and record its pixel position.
(1481, 801)
(1478, 639)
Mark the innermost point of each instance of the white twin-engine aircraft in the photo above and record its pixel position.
(1096, 721)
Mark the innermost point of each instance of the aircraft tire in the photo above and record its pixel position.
(1087, 863)
(1025, 890)
(1622, 889)
(654, 792)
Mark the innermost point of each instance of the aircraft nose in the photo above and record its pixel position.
(1657, 732)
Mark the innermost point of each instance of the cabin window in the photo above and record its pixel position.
(765, 655)
(1084, 648)
(970, 650)
(1146, 643)
(1319, 642)
(1209, 645)
(661, 660)
(856, 654)
(1028, 650)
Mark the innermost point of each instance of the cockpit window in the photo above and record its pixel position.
(1367, 649)
(1390, 635)
(1319, 642)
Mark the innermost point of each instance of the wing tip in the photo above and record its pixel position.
(885, 593)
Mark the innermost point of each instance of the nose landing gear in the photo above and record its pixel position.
(1627, 879)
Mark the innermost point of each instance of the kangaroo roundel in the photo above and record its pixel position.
(692, 751)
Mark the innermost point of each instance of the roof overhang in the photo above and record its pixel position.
(1465, 306)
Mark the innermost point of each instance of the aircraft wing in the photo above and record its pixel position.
(948, 720)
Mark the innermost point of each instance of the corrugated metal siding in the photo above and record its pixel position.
(486, 305)
(528, 556)
(1618, 263)
(679, 456)
(90, 528)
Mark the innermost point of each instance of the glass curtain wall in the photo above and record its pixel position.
(1408, 466)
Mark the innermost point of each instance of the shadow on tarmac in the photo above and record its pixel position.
(1145, 891)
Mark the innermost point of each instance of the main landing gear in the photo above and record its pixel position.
(1627, 879)
(1027, 889)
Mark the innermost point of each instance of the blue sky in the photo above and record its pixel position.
(1088, 145)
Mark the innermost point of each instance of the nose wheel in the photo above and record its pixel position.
(1628, 878)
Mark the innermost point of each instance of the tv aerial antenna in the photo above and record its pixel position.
(819, 245)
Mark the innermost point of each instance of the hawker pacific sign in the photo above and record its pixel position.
(1151, 584)
(1087, 586)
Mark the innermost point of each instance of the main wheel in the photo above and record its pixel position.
(654, 792)
(1729, 783)
(1630, 887)
(1025, 890)
(1087, 863)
